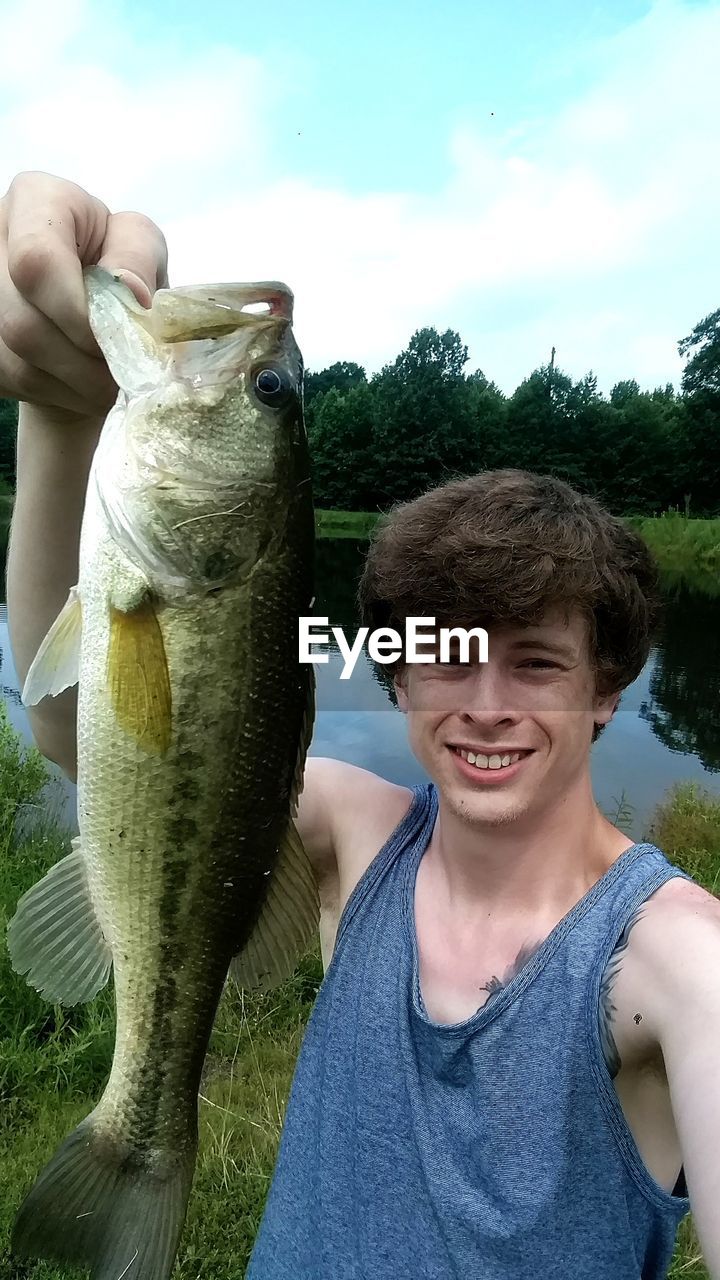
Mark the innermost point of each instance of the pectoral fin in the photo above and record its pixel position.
(287, 923)
(291, 912)
(55, 937)
(138, 677)
(306, 733)
(56, 665)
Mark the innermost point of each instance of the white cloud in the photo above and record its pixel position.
(590, 229)
(133, 129)
(35, 40)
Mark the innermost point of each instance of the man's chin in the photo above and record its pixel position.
(483, 810)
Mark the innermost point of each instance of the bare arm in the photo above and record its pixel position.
(49, 230)
(52, 469)
(345, 815)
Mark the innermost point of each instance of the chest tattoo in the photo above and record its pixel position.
(494, 985)
(607, 1010)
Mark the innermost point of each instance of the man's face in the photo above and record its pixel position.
(534, 696)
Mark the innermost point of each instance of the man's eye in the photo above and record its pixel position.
(540, 663)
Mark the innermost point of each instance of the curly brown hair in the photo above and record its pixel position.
(504, 546)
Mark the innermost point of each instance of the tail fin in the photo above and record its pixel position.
(98, 1205)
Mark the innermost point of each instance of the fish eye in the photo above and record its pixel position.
(272, 386)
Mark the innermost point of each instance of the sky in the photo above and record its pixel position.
(532, 173)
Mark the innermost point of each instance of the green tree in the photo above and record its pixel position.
(425, 428)
(341, 431)
(339, 377)
(442, 354)
(702, 371)
(422, 419)
(635, 459)
(544, 425)
(489, 409)
(701, 388)
(623, 392)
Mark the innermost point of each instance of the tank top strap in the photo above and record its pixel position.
(645, 869)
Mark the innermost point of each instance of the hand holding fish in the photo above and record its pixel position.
(50, 229)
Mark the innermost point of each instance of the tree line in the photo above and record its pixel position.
(423, 419)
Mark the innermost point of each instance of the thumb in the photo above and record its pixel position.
(133, 282)
(134, 249)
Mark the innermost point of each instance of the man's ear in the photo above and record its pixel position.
(605, 707)
(400, 685)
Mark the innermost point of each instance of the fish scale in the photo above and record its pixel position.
(194, 718)
(209, 891)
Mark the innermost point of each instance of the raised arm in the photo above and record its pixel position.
(49, 230)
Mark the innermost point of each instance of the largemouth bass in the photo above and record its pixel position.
(194, 718)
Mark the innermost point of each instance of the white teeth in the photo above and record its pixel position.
(489, 762)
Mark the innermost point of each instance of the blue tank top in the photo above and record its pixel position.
(491, 1149)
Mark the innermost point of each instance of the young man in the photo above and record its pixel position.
(513, 1066)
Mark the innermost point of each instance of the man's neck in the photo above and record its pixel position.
(535, 867)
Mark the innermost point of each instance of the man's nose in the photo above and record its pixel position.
(487, 696)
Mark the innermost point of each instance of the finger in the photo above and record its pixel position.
(135, 248)
(53, 229)
(34, 339)
(29, 385)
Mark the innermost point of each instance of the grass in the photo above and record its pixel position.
(685, 548)
(686, 826)
(54, 1062)
(345, 524)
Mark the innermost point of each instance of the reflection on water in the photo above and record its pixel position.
(684, 706)
(8, 693)
(666, 730)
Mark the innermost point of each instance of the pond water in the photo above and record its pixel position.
(666, 730)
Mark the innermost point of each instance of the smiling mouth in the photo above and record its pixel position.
(495, 761)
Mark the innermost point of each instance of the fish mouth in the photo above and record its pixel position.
(194, 312)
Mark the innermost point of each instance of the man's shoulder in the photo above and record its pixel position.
(340, 781)
(666, 929)
(678, 896)
(357, 809)
(667, 913)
